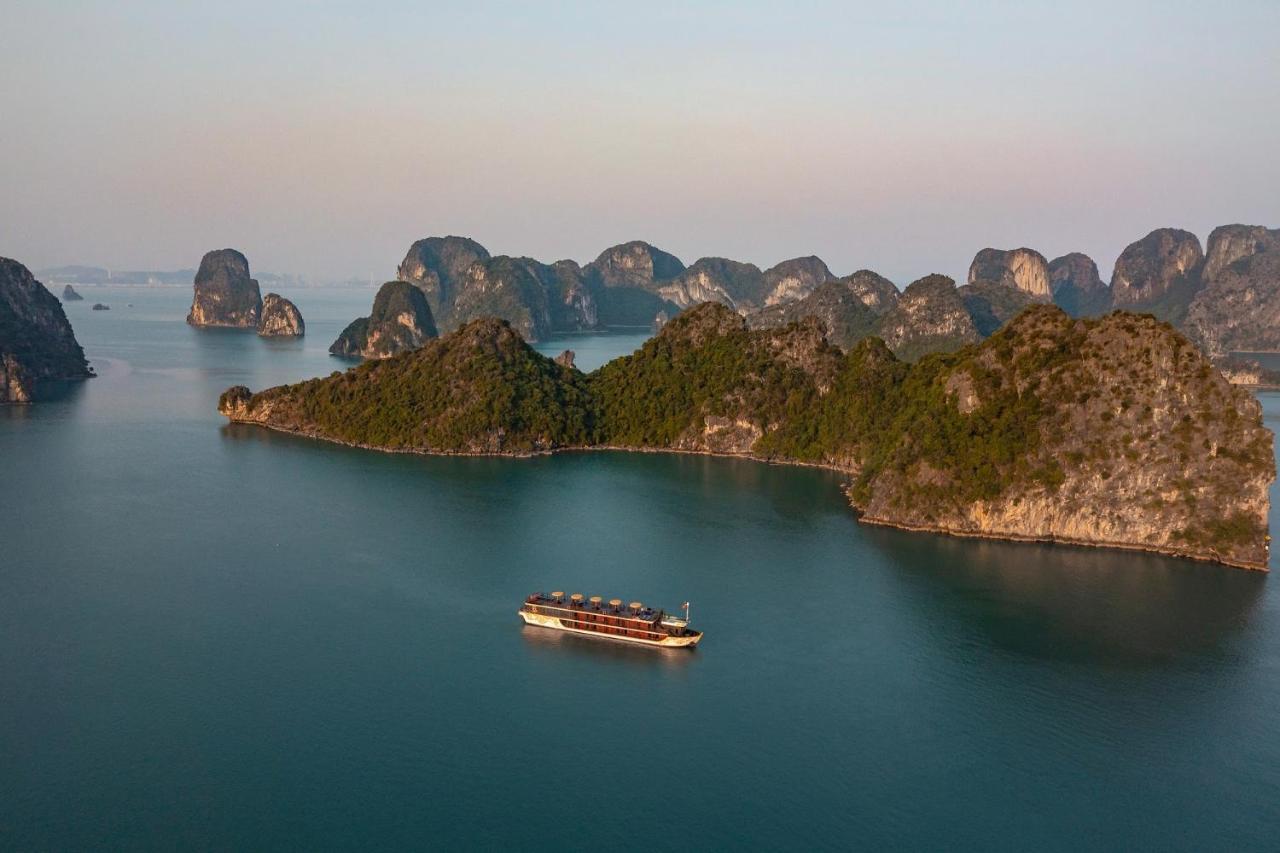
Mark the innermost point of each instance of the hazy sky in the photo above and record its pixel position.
(324, 138)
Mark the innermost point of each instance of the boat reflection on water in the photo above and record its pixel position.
(541, 641)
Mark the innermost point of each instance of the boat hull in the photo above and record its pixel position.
(556, 624)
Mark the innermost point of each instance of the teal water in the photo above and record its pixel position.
(217, 637)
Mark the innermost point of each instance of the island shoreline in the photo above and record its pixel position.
(858, 514)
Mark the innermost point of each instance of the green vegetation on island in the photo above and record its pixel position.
(1111, 431)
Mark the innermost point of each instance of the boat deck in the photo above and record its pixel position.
(603, 618)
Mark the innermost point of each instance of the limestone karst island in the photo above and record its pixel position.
(984, 410)
(600, 426)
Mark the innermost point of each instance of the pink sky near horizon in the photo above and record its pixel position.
(324, 142)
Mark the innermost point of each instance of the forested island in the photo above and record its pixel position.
(1114, 431)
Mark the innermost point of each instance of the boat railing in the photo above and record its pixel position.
(559, 607)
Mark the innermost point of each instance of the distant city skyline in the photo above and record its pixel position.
(322, 142)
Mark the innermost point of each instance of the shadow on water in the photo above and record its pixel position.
(283, 343)
(1073, 603)
(793, 492)
(543, 641)
(49, 393)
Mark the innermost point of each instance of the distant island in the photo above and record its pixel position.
(1113, 432)
(92, 275)
(400, 321)
(36, 341)
(225, 295)
(1225, 298)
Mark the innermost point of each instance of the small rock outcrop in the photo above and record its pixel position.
(1077, 287)
(794, 279)
(280, 318)
(225, 294)
(69, 295)
(1024, 269)
(36, 341)
(1248, 372)
(400, 321)
(1159, 274)
(1238, 308)
(565, 359)
(98, 306)
(930, 317)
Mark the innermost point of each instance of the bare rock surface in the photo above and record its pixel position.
(1159, 274)
(224, 293)
(280, 318)
(36, 340)
(1077, 287)
(1024, 269)
(930, 316)
(1238, 308)
(400, 321)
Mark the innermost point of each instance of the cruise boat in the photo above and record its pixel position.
(594, 617)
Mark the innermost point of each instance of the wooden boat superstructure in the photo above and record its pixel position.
(594, 617)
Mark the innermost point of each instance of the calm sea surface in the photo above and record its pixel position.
(220, 637)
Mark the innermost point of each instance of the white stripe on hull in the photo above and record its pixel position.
(555, 624)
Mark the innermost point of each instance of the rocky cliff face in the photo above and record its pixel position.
(1238, 308)
(437, 266)
(793, 280)
(991, 304)
(36, 341)
(1248, 372)
(280, 318)
(1023, 269)
(1231, 243)
(508, 288)
(740, 286)
(625, 280)
(930, 316)
(636, 284)
(462, 281)
(1136, 441)
(400, 321)
(571, 302)
(848, 308)
(1077, 287)
(874, 290)
(635, 264)
(1159, 274)
(225, 295)
(69, 295)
